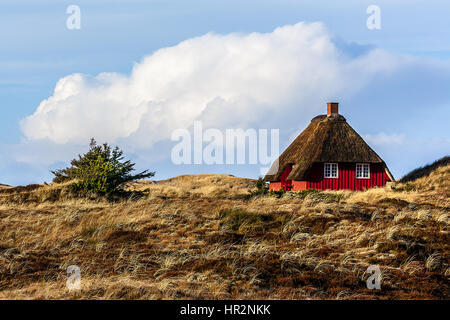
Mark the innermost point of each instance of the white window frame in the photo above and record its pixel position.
(330, 175)
(360, 170)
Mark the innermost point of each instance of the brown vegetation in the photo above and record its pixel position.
(203, 237)
(426, 170)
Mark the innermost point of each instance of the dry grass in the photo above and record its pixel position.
(211, 185)
(438, 179)
(202, 237)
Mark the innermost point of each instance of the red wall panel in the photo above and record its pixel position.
(283, 183)
(275, 186)
(346, 178)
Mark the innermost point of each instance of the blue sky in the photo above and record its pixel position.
(402, 109)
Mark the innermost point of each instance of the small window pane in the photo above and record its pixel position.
(331, 170)
(362, 170)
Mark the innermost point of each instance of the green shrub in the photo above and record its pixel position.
(101, 170)
(261, 188)
(279, 194)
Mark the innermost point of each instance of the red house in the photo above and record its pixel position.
(328, 154)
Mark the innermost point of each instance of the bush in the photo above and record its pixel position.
(278, 194)
(101, 170)
(261, 188)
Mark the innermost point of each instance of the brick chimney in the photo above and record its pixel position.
(332, 108)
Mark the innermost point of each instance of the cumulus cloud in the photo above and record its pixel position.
(224, 80)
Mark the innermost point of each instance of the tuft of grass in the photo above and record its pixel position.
(238, 219)
(277, 194)
(89, 232)
(314, 194)
(408, 187)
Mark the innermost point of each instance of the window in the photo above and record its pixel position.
(330, 170)
(362, 171)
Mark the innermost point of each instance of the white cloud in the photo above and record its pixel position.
(385, 139)
(223, 80)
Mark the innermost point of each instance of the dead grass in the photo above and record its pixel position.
(211, 185)
(203, 237)
(438, 179)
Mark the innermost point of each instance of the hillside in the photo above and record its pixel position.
(203, 237)
(201, 184)
(427, 170)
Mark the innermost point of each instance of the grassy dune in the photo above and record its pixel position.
(203, 237)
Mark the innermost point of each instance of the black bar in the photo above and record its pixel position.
(224, 309)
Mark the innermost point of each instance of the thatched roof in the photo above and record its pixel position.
(326, 139)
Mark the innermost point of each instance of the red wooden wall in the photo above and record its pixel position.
(286, 184)
(346, 177)
(283, 183)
